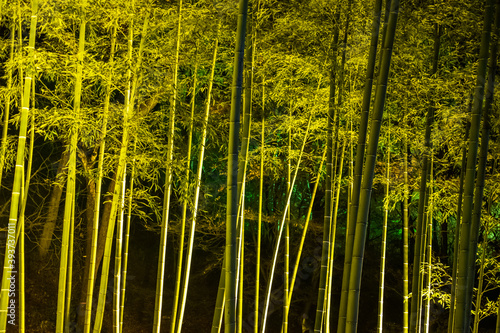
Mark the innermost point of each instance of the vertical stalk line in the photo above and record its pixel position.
(261, 190)
(430, 210)
(232, 174)
(118, 256)
(406, 235)
(358, 166)
(24, 200)
(415, 314)
(168, 183)
(457, 224)
(242, 167)
(127, 238)
(127, 116)
(481, 168)
(286, 273)
(10, 249)
(180, 256)
(95, 226)
(327, 218)
(468, 226)
(7, 99)
(333, 234)
(68, 224)
(383, 247)
(481, 280)
(280, 233)
(198, 185)
(365, 194)
(70, 269)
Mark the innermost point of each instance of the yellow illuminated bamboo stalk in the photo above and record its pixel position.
(95, 227)
(127, 114)
(65, 275)
(127, 237)
(168, 185)
(280, 234)
(384, 234)
(180, 257)
(9, 265)
(7, 99)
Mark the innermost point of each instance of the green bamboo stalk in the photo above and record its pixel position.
(180, 257)
(232, 174)
(327, 219)
(242, 167)
(6, 113)
(309, 212)
(280, 233)
(118, 257)
(429, 247)
(198, 184)
(221, 300)
(95, 226)
(365, 195)
(419, 251)
(461, 317)
(70, 270)
(406, 252)
(306, 225)
(127, 114)
(168, 183)
(24, 200)
(9, 266)
(119, 232)
(384, 233)
(126, 241)
(259, 226)
(360, 151)
(481, 168)
(65, 274)
(286, 273)
(332, 237)
(457, 226)
(481, 281)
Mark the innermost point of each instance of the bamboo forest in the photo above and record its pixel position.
(249, 166)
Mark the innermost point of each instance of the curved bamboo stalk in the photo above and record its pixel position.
(280, 234)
